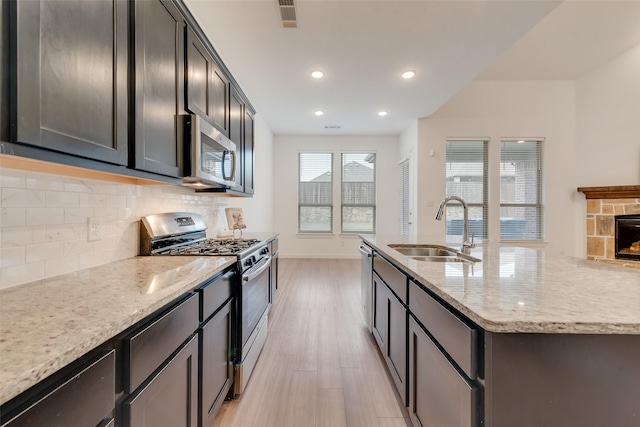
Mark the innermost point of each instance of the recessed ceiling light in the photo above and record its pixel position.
(317, 74)
(382, 113)
(408, 74)
(318, 112)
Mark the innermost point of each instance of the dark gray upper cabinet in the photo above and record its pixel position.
(199, 78)
(220, 99)
(248, 152)
(236, 135)
(158, 52)
(69, 77)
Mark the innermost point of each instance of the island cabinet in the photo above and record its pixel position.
(68, 64)
(158, 62)
(390, 319)
(443, 365)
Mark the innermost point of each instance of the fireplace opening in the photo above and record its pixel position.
(627, 242)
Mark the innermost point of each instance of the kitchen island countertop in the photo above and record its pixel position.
(524, 290)
(47, 324)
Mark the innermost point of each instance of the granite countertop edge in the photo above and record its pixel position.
(545, 319)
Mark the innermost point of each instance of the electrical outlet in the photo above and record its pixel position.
(94, 228)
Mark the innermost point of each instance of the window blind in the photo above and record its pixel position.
(521, 198)
(358, 192)
(315, 192)
(466, 177)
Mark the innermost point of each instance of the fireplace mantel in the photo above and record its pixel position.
(616, 192)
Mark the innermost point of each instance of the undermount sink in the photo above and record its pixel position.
(432, 253)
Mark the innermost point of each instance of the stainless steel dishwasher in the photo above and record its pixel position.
(367, 272)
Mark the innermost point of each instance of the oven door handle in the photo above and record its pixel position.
(257, 270)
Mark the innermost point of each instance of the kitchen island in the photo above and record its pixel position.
(520, 338)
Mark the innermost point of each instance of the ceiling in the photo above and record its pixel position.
(364, 45)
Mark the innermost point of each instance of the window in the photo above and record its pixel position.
(405, 213)
(521, 208)
(315, 192)
(466, 177)
(358, 192)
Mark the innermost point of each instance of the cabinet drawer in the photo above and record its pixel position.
(84, 400)
(394, 278)
(214, 294)
(148, 348)
(456, 337)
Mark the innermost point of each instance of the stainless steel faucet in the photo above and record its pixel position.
(466, 244)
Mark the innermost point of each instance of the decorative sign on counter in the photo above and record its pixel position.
(235, 219)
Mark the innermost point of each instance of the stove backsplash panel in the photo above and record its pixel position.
(43, 224)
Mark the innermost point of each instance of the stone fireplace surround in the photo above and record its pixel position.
(603, 204)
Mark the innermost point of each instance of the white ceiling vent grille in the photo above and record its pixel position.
(288, 13)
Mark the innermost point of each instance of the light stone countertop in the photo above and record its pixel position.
(517, 289)
(47, 324)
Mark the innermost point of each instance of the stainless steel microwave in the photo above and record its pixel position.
(210, 157)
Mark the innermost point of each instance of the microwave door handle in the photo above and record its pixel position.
(233, 166)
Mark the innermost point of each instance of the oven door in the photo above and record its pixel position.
(255, 297)
(212, 156)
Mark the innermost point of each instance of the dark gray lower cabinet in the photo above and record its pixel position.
(84, 399)
(439, 395)
(170, 398)
(379, 311)
(396, 354)
(217, 363)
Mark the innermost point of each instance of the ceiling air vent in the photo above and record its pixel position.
(333, 127)
(288, 13)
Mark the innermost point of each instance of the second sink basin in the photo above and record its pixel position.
(429, 251)
(432, 253)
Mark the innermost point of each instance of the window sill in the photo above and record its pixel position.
(321, 235)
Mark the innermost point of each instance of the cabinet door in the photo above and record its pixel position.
(273, 284)
(380, 312)
(159, 85)
(70, 77)
(220, 99)
(236, 135)
(248, 152)
(397, 343)
(199, 78)
(438, 394)
(216, 362)
(170, 398)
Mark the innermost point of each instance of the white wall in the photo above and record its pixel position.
(608, 133)
(409, 150)
(495, 110)
(285, 173)
(258, 210)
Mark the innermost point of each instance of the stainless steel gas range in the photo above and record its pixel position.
(184, 234)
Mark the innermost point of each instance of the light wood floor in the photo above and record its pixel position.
(320, 365)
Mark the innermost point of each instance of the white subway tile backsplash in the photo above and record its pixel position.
(44, 216)
(43, 251)
(39, 181)
(24, 273)
(43, 221)
(21, 198)
(77, 215)
(54, 267)
(21, 236)
(12, 178)
(12, 256)
(59, 199)
(13, 217)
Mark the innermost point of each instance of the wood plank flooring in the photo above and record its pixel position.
(320, 366)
